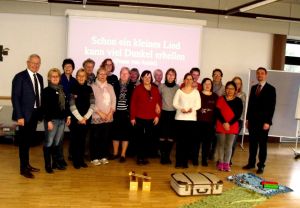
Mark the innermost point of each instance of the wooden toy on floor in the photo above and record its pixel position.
(134, 181)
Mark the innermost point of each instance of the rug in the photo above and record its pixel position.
(234, 198)
(253, 182)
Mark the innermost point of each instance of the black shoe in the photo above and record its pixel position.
(195, 163)
(32, 169)
(185, 166)
(247, 167)
(139, 161)
(112, 157)
(76, 166)
(63, 162)
(70, 158)
(163, 161)
(60, 166)
(84, 165)
(49, 170)
(145, 162)
(54, 166)
(204, 163)
(26, 173)
(260, 171)
(178, 165)
(168, 161)
(122, 159)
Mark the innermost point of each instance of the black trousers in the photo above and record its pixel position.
(258, 139)
(78, 135)
(100, 140)
(26, 134)
(207, 133)
(144, 130)
(185, 139)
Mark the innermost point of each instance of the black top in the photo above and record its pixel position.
(236, 106)
(113, 80)
(50, 105)
(81, 97)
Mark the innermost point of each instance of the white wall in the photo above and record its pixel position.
(231, 50)
(27, 34)
(235, 52)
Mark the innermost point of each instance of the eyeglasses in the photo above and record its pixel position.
(37, 64)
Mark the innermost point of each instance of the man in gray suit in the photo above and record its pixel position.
(26, 99)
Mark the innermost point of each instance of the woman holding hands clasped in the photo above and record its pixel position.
(186, 102)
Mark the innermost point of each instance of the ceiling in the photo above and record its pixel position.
(281, 10)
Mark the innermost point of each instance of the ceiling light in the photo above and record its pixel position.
(255, 5)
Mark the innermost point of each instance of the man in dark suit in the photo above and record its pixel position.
(26, 99)
(261, 107)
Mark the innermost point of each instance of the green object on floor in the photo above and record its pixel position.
(233, 198)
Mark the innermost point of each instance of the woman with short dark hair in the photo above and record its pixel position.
(206, 118)
(144, 115)
(228, 112)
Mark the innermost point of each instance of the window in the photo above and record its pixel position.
(292, 56)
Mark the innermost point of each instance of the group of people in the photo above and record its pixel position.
(138, 111)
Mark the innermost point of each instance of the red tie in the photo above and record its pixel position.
(258, 89)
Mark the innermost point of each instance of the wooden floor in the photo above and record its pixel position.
(107, 186)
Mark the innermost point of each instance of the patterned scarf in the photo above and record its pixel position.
(61, 95)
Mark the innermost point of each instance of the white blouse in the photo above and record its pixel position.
(186, 101)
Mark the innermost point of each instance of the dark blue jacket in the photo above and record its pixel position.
(23, 95)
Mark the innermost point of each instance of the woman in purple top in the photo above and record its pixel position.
(206, 118)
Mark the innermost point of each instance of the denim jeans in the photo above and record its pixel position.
(54, 136)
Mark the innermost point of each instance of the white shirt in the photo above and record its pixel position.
(186, 101)
(32, 80)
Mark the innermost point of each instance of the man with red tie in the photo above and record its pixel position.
(26, 100)
(261, 107)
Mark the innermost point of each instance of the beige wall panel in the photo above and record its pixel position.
(255, 25)
(24, 7)
(294, 29)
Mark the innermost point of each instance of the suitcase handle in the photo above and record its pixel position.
(202, 192)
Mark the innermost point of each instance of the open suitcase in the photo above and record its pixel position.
(193, 183)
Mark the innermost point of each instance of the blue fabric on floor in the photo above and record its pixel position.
(252, 182)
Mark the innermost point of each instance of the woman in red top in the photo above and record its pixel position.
(144, 114)
(228, 112)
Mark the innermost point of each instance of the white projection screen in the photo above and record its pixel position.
(132, 40)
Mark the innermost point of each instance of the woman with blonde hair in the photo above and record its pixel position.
(242, 95)
(55, 118)
(82, 105)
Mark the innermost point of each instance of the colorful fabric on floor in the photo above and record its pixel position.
(234, 198)
(253, 182)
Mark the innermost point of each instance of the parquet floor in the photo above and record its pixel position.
(106, 186)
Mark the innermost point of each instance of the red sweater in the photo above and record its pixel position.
(143, 102)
